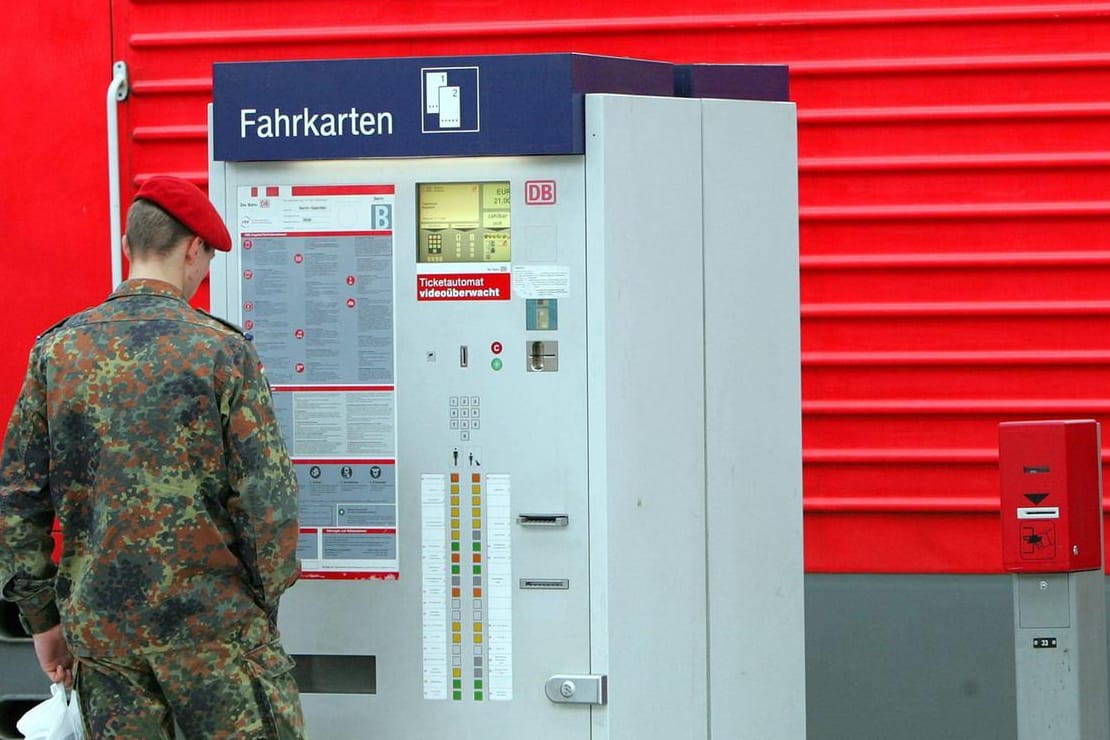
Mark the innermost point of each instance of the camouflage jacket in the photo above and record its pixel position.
(148, 428)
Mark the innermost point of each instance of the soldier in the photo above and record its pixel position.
(146, 426)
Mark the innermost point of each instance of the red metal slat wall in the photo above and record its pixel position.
(955, 265)
(54, 189)
(954, 273)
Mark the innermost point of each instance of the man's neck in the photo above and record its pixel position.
(153, 270)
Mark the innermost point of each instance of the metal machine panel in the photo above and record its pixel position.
(647, 420)
(753, 418)
(1060, 654)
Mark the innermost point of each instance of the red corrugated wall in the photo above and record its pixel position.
(955, 265)
(54, 183)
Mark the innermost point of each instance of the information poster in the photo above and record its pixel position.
(317, 299)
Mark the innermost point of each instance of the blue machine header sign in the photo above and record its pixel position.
(439, 106)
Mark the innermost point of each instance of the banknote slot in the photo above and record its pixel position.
(543, 520)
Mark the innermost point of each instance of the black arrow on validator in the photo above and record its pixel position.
(1036, 498)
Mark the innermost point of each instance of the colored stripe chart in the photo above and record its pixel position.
(466, 554)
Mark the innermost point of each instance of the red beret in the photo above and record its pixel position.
(188, 204)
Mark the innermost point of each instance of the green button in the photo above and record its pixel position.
(457, 683)
(477, 570)
(477, 547)
(457, 696)
(454, 546)
(477, 696)
(455, 570)
(495, 363)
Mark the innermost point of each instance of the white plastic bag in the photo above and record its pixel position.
(54, 719)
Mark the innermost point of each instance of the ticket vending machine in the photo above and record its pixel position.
(531, 324)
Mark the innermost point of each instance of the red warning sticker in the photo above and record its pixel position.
(476, 286)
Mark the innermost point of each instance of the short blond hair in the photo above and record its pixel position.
(151, 232)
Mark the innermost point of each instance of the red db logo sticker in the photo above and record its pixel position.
(539, 192)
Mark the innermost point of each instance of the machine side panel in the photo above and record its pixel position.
(646, 409)
(753, 413)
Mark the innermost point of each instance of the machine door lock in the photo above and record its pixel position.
(577, 689)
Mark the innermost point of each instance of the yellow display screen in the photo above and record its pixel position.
(463, 221)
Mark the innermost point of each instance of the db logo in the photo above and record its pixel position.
(539, 192)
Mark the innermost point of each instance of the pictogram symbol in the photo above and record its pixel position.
(1038, 541)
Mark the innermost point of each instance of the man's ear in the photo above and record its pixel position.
(193, 248)
(126, 247)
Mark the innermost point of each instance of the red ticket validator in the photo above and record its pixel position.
(1051, 495)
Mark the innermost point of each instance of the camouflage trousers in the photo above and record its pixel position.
(243, 688)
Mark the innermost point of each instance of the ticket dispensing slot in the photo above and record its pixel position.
(1039, 512)
(336, 674)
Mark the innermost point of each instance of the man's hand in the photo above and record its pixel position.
(54, 656)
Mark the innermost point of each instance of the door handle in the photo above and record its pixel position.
(578, 689)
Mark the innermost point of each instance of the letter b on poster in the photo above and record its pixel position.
(381, 216)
